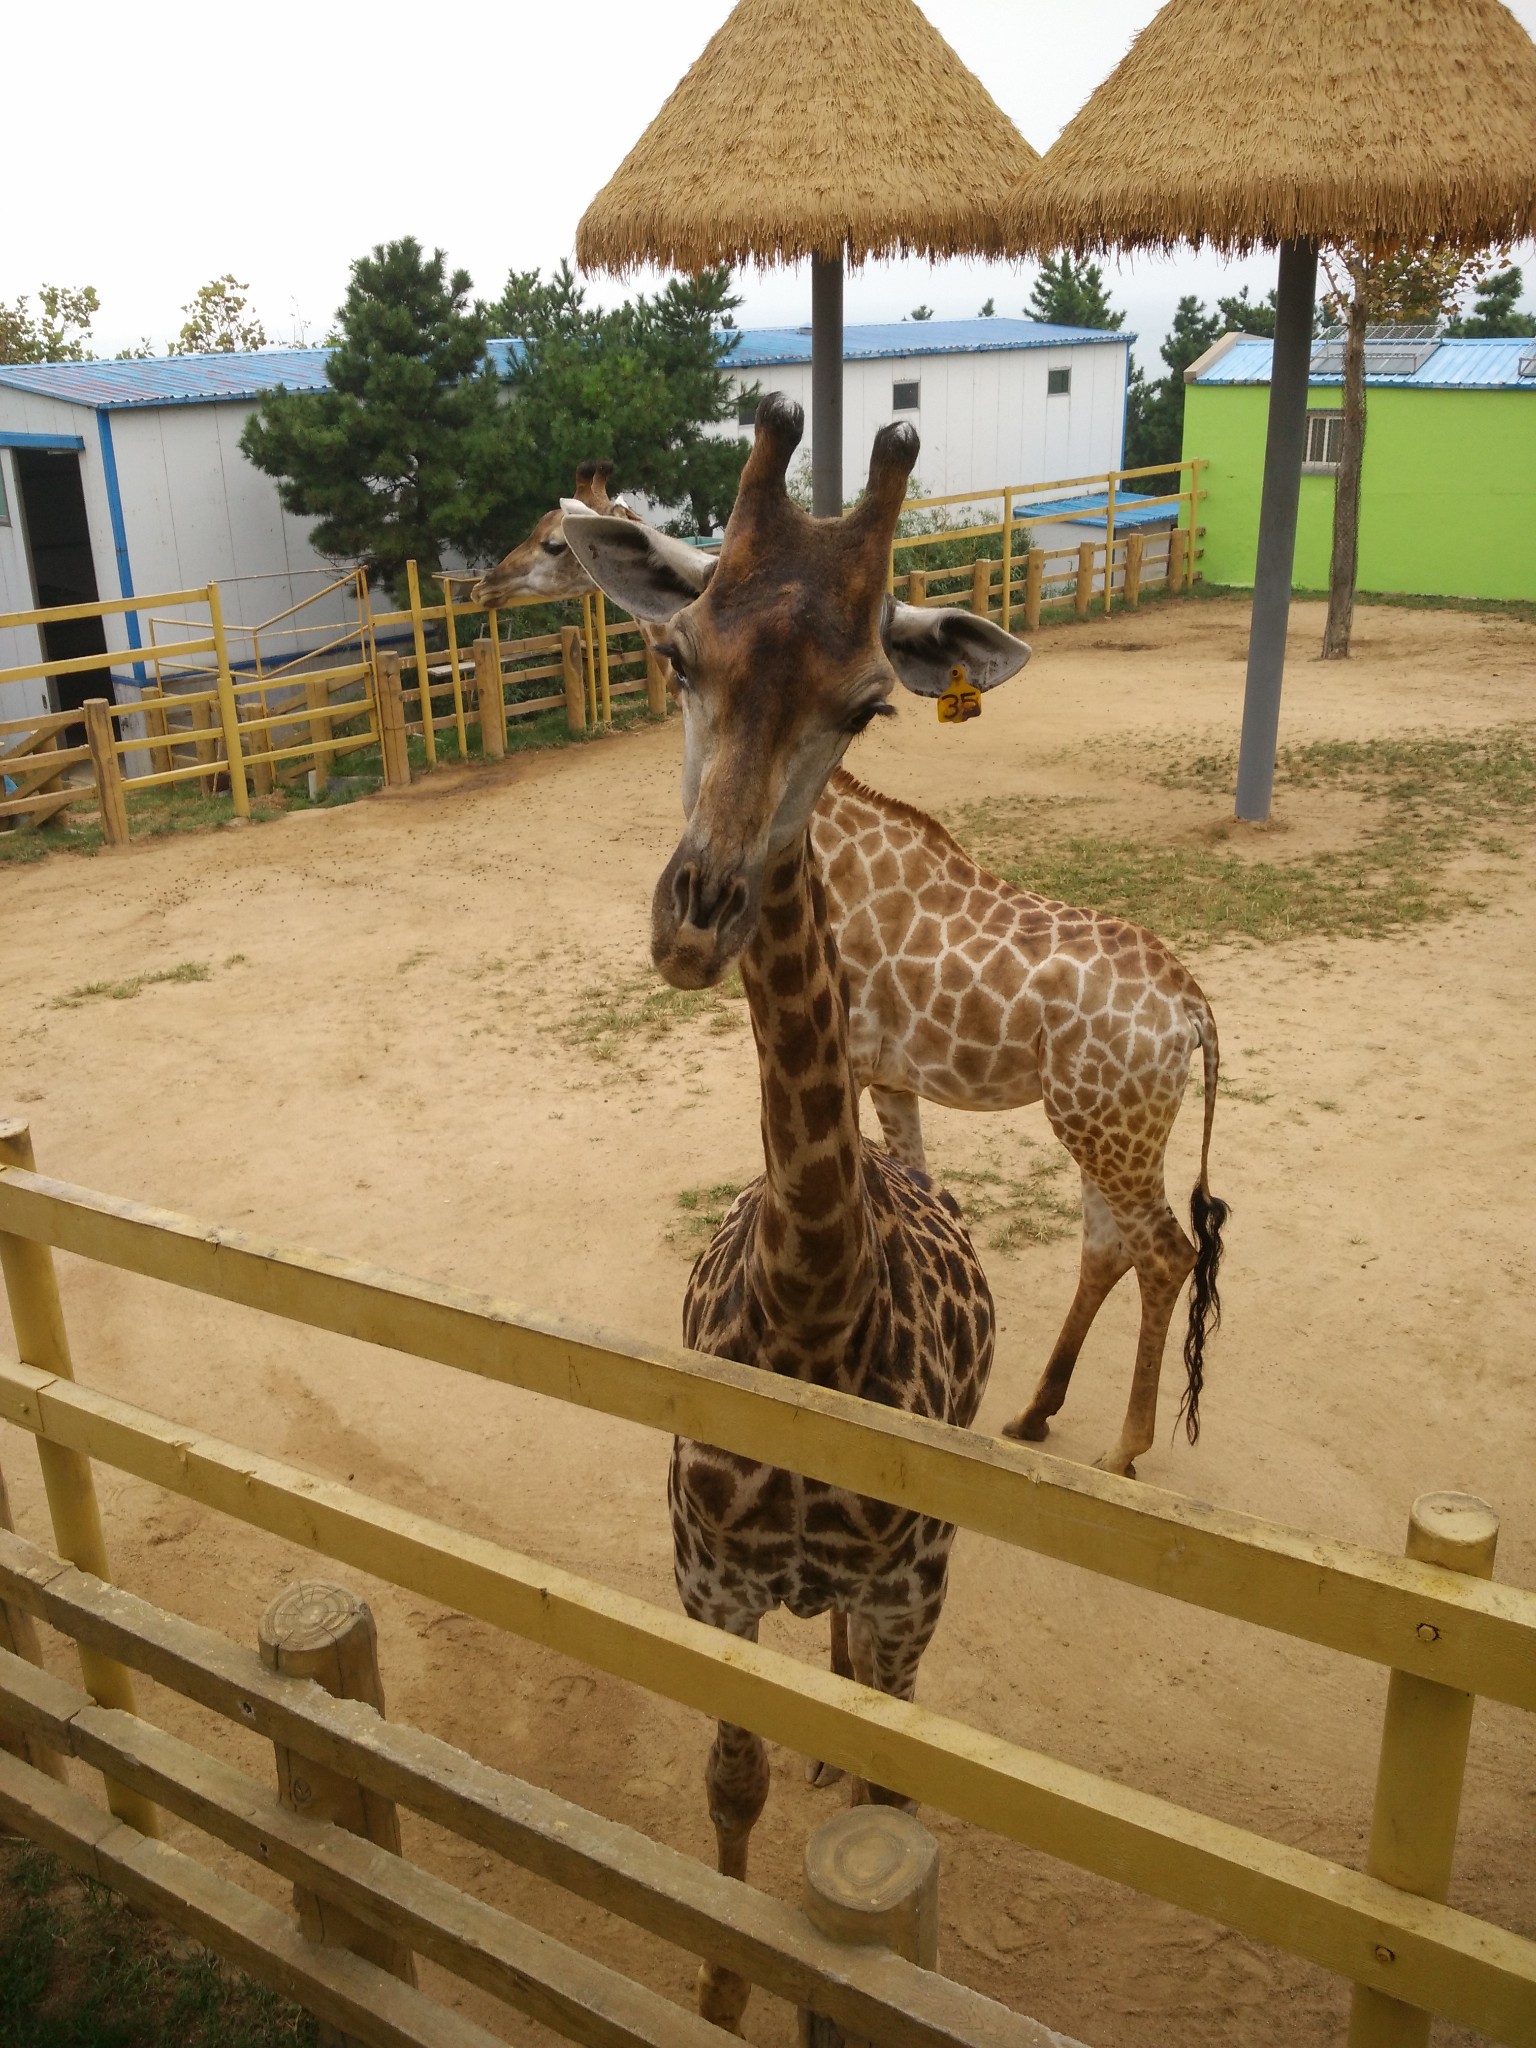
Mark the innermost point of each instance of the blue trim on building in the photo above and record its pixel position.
(119, 536)
(61, 441)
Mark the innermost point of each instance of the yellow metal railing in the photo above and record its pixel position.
(1446, 1633)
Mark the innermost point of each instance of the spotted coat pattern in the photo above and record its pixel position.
(973, 994)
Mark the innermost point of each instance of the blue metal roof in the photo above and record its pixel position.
(1454, 366)
(760, 346)
(1132, 508)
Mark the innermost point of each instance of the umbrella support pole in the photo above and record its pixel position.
(1283, 451)
(827, 385)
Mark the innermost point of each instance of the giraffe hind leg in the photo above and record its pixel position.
(818, 1774)
(887, 1649)
(1165, 1258)
(1106, 1258)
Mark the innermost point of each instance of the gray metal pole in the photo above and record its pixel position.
(1277, 528)
(827, 385)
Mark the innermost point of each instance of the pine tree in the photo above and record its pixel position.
(636, 385)
(1238, 314)
(922, 313)
(1494, 314)
(1070, 293)
(1154, 428)
(384, 457)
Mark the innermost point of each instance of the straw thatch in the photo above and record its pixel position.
(1239, 122)
(809, 127)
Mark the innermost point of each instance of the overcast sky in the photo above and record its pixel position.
(165, 142)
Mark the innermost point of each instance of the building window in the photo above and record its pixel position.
(904, 397)
(1325, 437)
(1058, 383)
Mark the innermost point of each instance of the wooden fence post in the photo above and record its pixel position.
(981, 587)
(871, 1879)
(489, 700)
(604, 681)
(1178, 543)
(317, 694)
(572, 669)
(109, 775)
(1423, 1758)
(1034, 576)
(37, 1317)
(655, 683)
(423, 680)
(394, 747)
(1082, 590)
(917, 586)
(325, 1633)
(228, 716)
(1134, 543)
(250, 709)
(152, 697)
(18, 1634)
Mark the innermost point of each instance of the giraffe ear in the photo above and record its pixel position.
(927, 647)
(650, 574)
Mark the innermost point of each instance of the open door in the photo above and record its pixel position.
(63, 570)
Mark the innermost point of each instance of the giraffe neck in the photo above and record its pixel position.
(814, 1251)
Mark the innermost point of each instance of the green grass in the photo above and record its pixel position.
(79, 1969)
(1423, 801)
(125, 991)
(1014, 1206)
(703, 1211)
(611, 1016)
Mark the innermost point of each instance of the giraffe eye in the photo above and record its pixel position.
(553, 547)
(868, 713)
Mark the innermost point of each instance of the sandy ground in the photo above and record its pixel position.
(392, 1067)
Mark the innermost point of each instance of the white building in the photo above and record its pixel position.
(994, 401)
(126, 478)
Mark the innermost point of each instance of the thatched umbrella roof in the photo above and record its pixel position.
(1235, 123)
(812, 128)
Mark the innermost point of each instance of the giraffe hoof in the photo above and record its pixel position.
(1124, 1468)
(1028, 1429)
(822, 1775)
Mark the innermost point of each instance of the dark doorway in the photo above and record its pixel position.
(63, 571)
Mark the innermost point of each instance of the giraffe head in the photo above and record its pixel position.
(785, 647)
(543, 566)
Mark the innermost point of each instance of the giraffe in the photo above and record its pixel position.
(840, 1266)
(970, 993)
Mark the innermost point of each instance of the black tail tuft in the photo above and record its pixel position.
(1208, 1218)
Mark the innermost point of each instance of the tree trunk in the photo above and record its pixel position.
(1344, 567)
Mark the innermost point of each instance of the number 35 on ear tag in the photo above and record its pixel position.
(962, 700)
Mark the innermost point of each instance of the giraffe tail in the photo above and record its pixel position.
(1208, 1217)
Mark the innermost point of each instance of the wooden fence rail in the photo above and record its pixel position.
(1422, 1618)
(876, 1994)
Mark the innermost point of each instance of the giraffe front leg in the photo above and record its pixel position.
(818, 1774)
(736, 1782)
(901, 1122)
(1105, 1260)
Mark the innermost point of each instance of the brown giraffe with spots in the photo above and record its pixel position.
(970, 993)
(840, 1266)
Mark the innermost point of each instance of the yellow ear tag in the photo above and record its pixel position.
(962, 700)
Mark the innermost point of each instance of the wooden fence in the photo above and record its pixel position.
(1447, 1633)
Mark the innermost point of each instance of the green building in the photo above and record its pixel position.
(1448, 490)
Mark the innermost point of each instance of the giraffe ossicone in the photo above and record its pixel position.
(839, 1266)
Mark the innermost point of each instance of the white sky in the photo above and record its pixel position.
(164, 142)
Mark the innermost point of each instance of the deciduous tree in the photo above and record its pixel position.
(219, 320)
(59, 333)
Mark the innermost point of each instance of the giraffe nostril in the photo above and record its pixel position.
(683, 883)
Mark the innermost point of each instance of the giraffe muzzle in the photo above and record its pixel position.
(699, 922)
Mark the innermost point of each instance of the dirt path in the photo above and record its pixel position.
(397, 1054)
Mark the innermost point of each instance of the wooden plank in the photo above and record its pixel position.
(537, 1975)
(1416, 1950)
(264, 1942)
(100, 608)
(37, 726)
(1395, 1611)
(615, 1867)
(37, 808)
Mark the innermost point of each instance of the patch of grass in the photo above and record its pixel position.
(612, 1015)
(1425, 799)
(78, 1969)
(704, 1210)
(1015, 1207)
(125, 991)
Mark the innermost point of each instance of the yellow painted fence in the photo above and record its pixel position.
(1446, 1630)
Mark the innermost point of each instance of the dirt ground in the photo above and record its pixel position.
(396, 1056)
